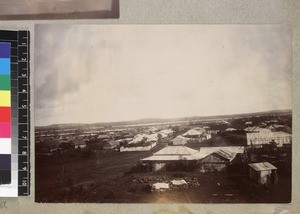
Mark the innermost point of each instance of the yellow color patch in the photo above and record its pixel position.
(5, 98)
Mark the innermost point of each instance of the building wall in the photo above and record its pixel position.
(265, 177)
(208, 136)
(109, 147)
(254, 175)
(178, 142)
(261, 177)
(280, 138)
(159, 166)
(82, 146)
(213, 163)
(138, 148)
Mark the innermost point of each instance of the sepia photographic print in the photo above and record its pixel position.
(163, 113)
(58, 9)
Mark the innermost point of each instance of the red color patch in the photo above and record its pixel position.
(5, 114)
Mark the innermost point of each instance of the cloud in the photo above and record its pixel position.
(110, 73)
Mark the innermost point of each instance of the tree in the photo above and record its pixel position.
(159, 136)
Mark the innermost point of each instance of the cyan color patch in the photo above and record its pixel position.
(4, 66)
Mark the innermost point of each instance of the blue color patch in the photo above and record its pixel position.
(4, 50)
(5, 66)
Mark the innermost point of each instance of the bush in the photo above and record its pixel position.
(141, 167)
(147, 188)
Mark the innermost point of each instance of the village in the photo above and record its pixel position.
(233, 159)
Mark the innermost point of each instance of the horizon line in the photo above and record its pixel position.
(157, 118)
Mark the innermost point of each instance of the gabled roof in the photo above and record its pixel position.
(179, 137)
(77, 142)
(230, 129)
(112, 143)
(192, 132)
(171, 153)
(103, 136)
(263, 166)
(226, 154)
(139, 137)
(166, 131)
(169, 158)
(225, 151)
(250, 128)
(176, 150)
(257, 129)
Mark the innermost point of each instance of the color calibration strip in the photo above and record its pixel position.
(5, 113)
(19, 117)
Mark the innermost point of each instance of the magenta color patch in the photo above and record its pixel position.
(5, 131)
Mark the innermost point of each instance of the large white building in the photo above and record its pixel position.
(265, 136)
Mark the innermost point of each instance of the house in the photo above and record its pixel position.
(197, 133)
(65, 145)
(102, 137)
(78, 144)
(111, 144)
(275, 127)
(251, 128)
(210, 131)
(230, 129)
(169, 154)
(217, 161)
(265, 137)
(138, 148)
(151, 130)
(206, 156)
(263, 173)
(179, 141)
(48, 146)
(144, 137)
(166, 132)
(193, 133)
(248, 123)
(205, 151)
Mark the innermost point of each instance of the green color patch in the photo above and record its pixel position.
(4, 82)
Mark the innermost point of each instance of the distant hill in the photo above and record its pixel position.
(162, 120)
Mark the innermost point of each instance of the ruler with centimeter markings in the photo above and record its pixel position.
(20, 104)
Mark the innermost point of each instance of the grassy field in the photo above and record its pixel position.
(104, 177)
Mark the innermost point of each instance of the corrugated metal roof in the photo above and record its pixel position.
(169, 158)
(179, 137)
(176, 150)
(192, 132)
(226, 154)
(263, 166)
(139, 137)
(205, 151)
(170, 153)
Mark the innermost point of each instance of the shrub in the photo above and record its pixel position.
(140, 167)
(147, 188)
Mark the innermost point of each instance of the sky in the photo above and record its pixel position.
(52, 6)
(105, 73)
